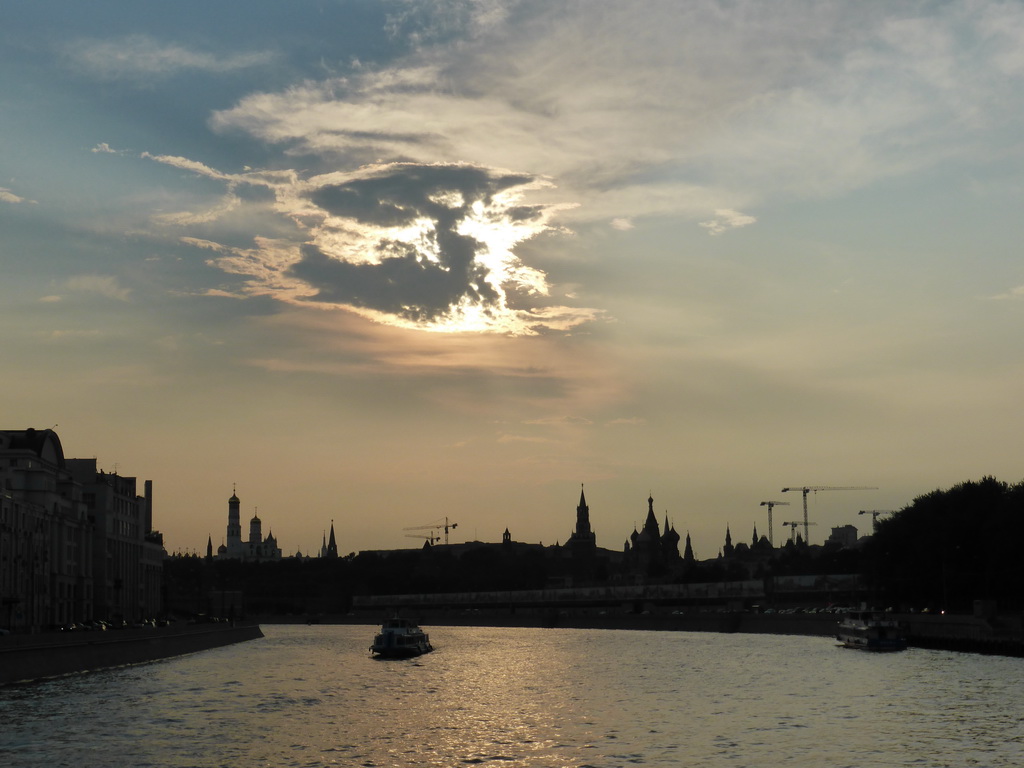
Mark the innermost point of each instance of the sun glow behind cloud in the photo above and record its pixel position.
(418, 246)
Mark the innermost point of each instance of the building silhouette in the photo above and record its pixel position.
(256, 547)
(76, 544)
(127, 559)
(651, 551)
(330, 546)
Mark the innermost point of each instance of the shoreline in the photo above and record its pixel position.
(31, 658)
(962, 633)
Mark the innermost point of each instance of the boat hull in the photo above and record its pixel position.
(405, 652)
(871, 643)
(400, 639)
(870, 632)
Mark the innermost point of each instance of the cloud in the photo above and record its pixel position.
(560, 420)
(102, 285)
(1014, 294)
(409, 214)
(626, 421)
(137, 57)
(6, 196)
(523, 439)
(726, 219)
(797, 98)
(76, 334)
(429, 247)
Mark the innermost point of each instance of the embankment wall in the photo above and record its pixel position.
(34, 657)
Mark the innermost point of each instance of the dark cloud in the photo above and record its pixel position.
(420, 281)
(403, 192)
(522, 213)
(403, 284)
(363, 206)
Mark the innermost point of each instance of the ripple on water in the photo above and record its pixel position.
(306, 696)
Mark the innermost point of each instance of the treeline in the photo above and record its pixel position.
(950, 548)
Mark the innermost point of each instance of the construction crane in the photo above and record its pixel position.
(874, 516)
(445, 524)
(792, 533)
(431, 539)
(808, 488)
(770, 504)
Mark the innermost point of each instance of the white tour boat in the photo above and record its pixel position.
(401, 638)
(870, 631)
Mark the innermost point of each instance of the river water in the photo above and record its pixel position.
(312, 696)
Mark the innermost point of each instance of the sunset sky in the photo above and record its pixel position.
(386, 262)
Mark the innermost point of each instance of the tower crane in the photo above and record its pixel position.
(792, 532)
(808, 488)
(874, 516)
(770, 504)
(445, 524)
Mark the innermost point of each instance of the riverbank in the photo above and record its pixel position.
(998, 635)
(25, 658)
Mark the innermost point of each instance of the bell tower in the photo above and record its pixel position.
(234, 538)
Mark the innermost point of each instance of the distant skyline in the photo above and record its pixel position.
(388, 262)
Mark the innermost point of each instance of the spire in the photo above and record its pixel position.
(582, 518)
(651, 527)
(332, 544)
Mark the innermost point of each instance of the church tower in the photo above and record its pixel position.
(234, 538)
(670, 542)
(651, 523)
(688, 557)
(332, 545)
(255, 533)
(582, 517)
(648, 556)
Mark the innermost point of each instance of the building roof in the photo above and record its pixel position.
(44, 443)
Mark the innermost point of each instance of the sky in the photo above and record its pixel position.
(386, 263)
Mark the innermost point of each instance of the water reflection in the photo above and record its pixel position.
(308, 696)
